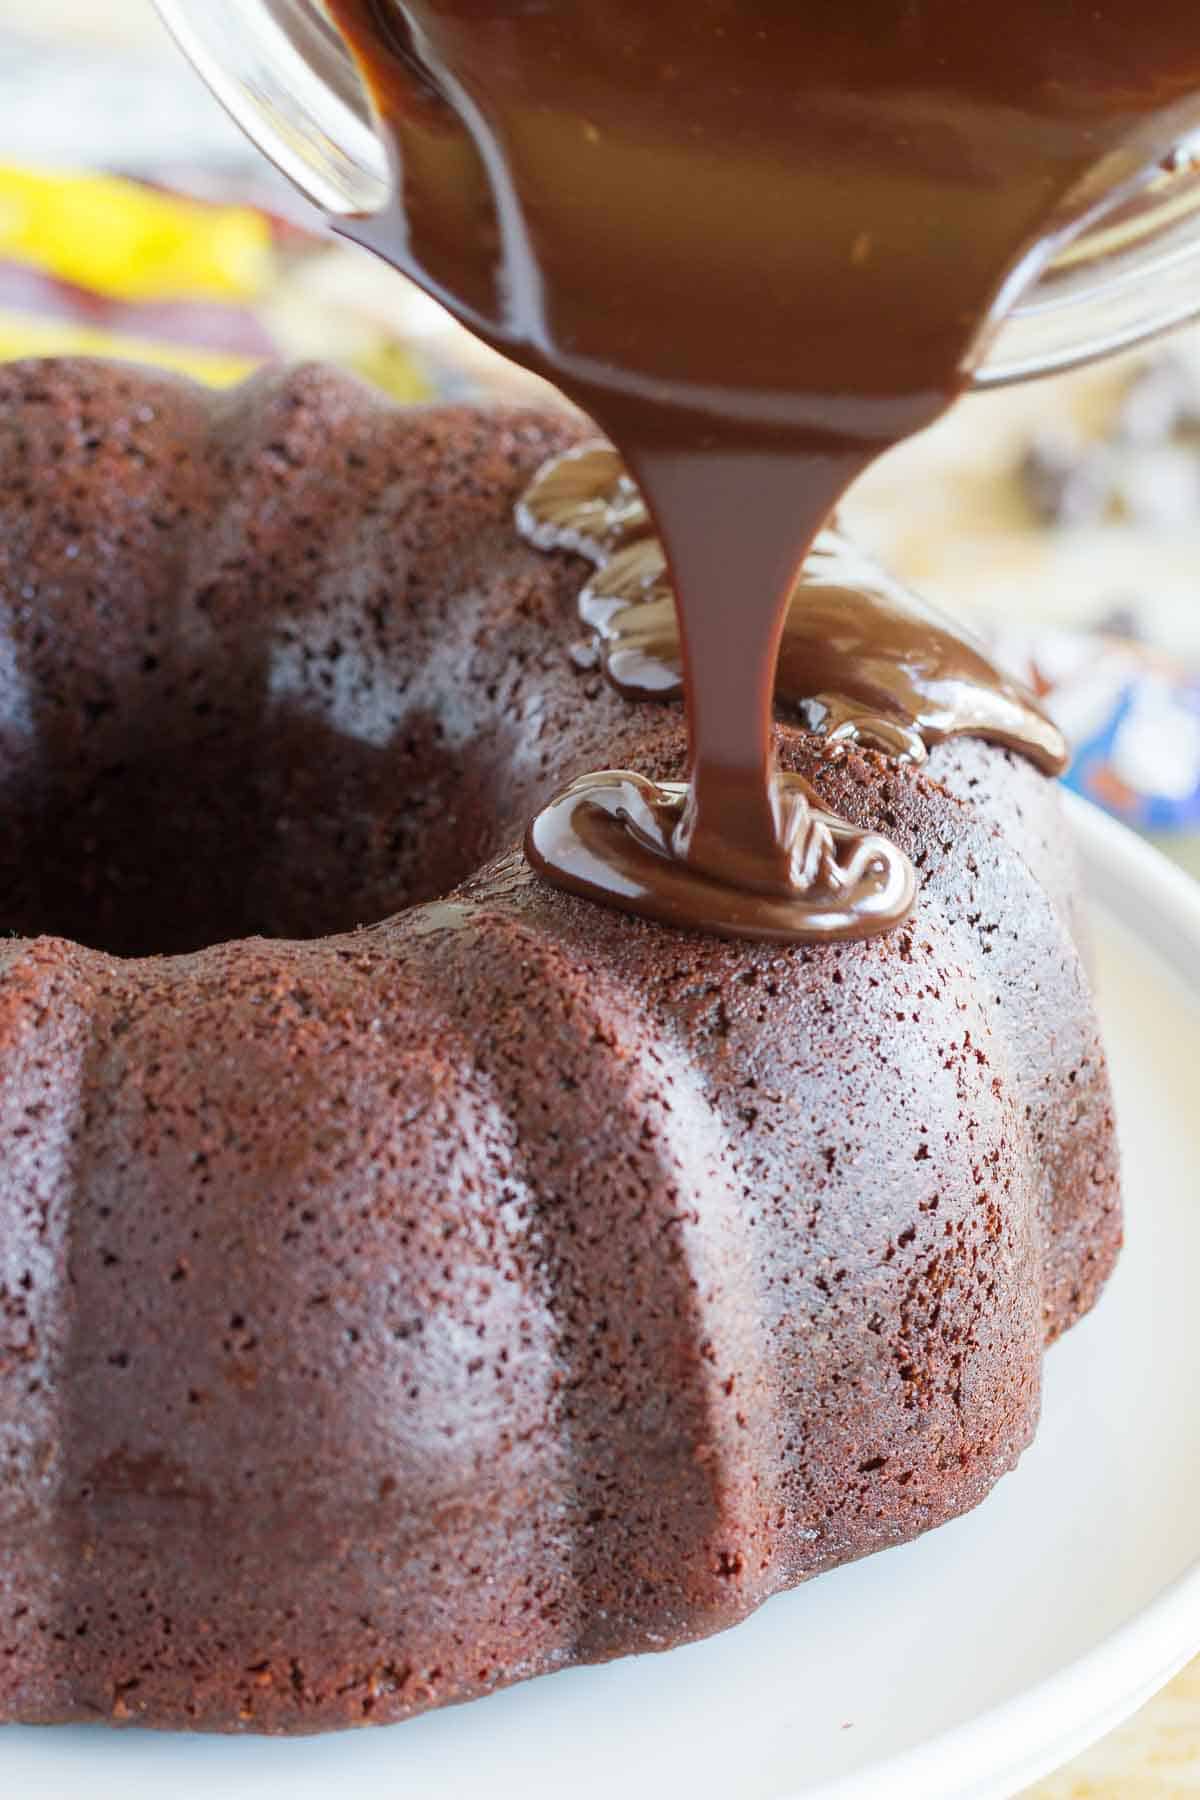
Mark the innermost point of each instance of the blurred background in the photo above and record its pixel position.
(1063, 519)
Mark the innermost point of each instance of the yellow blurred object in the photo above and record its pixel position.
(22, 335)
(128, 246)
(126, 242)
(392, 368)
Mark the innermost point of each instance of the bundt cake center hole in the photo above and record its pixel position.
(134, 838)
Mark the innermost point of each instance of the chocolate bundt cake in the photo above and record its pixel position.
(414, 1278)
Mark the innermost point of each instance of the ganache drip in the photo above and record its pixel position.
(862, 660)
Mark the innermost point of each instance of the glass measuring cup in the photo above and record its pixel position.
(1125, 268)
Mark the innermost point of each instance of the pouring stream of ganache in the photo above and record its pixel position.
(862, 659)
(759, 243)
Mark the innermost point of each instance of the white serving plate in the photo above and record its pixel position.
(957, 1668)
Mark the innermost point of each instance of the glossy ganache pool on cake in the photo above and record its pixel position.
(860, 659)
(422, 1278)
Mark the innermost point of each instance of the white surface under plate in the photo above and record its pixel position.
(961, 1666)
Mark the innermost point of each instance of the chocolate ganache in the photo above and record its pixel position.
(759, 243)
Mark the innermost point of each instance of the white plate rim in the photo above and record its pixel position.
(1039, 1729)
